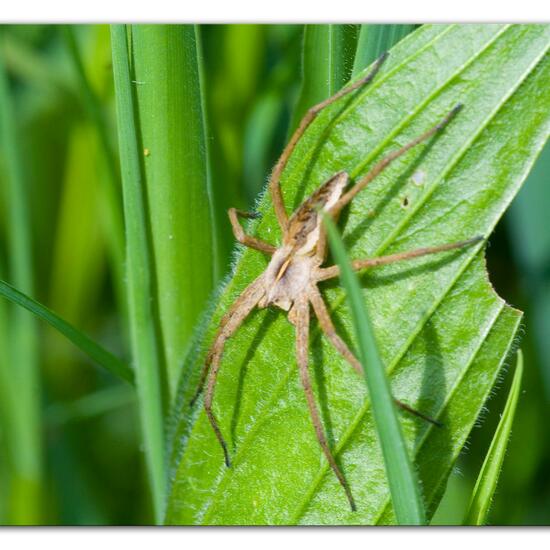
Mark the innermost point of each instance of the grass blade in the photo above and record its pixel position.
(488, 476)
(171, 125)
(93, 350)
(23, 356)
(323, 66)
(146, 348)
(374, 40)
(402, 479)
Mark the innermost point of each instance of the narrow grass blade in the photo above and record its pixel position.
(93, 350)
(23, 353)
(488, 476)
(146, 349)
(170, 111)
(323, 66)
(374, 40)
(402, 479)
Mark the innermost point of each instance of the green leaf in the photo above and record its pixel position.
(145, 339)
(171, 126)
(487, 480)
(93, 350)
(442, 332)
(405, 492)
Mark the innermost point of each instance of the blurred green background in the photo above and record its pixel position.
(85, 455)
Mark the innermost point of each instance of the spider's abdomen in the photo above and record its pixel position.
(287, 277)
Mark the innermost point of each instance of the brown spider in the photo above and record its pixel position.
(290, 280)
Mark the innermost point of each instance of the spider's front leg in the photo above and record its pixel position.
(230, 322)
(242, 237)
(383, 163)
(300, 318)
(309, 117)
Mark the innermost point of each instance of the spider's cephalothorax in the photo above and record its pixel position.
(294, 265)
(291, 278)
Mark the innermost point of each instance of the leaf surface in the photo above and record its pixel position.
(443, 333)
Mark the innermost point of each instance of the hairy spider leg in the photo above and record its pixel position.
(368, 263)
(383, 163)
(378, 168)
(327, 326)
(231, 321)
(301, 320)
(309, 117)
(242, 237)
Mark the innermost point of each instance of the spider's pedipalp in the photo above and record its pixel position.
(242, 237)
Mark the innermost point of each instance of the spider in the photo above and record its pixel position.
(290, 281)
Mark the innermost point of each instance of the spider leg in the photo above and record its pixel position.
(327, 326)
(388, 159)
(301, 320)
(367, 263)
(309, 117)
(231, 321)
(242, 237)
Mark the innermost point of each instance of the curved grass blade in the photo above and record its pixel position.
(93, 350)
(442, 331)
(402, 479)
(487, 480)
(146, 348)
